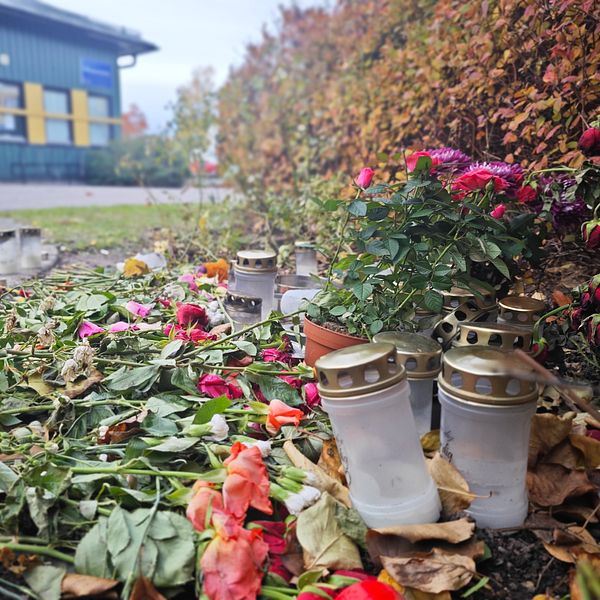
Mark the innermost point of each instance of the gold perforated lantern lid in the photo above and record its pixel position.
(256, 261)
(304, 246)
(456, 296)
(496, 335)
(421, 356)
(520, 311)
(482, 375)
(447, 328)
(358, 370)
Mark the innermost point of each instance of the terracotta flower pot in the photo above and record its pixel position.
(321, 341)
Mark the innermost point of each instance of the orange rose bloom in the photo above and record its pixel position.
(281, 414)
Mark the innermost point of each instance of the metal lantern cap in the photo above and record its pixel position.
(358, 370)
(421, 356)
(7, 233)
(243, 301)
(447, 328)
(296, 282)
(37, 231)
(304, 246)
(498, 335)
(456, 296)
(481, 375)
(522, 304)
(252, 261)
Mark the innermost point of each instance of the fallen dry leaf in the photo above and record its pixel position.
(331, 462)
(547, 431)
(222, 329)
(134, 268)
(76, 389)
(36, 383)
(79, 586)
(451, 531)
(560, 299)
(145, 590)
(123, 430)
(322, 481)
(576, 511)
(570, 543)
(584, 581)
(435, 572)
(551, 485)
(589, 447)
(430, 441)
(452, 487)
(564, 454)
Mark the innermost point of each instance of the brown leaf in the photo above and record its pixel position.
(78, 586)
(551, 485)
(323, 482)
(124, 430)
(451, 531)
(588, 566)
(589, 447)
(76, 389)
(436, 571)
(560, 299)
(452, 487)
(331, 462)
(564, 454)
(145, 590)
(430, 441)
(222, 329)
(547, 431)
(575, 511)
(568, 547)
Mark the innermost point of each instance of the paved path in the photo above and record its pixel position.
(26, 196)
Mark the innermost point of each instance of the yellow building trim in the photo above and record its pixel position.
(81, 128)
(107, 120)
(34, 107)
(20, 112)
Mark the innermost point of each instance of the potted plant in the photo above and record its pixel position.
(401, 244)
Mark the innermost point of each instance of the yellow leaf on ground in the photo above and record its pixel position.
(547, 431)
(453, 532)
(430, 441)
(589, 447)
(134, 268)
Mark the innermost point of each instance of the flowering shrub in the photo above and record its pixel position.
(451, 223)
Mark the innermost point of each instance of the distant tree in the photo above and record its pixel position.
(134, 123)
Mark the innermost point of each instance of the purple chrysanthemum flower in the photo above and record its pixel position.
(451, 160)
(567, 217)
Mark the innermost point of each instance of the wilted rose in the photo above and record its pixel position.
(590, 232)
(589, 142)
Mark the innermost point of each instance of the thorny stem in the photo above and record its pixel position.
(44, 550)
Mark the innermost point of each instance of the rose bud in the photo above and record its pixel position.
(590, 232)
(540, 350)
(589, 142)
(576, 315)
(365, 177)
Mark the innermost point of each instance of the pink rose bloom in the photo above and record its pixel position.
(477, 179)
(293, 381)
(215, 386)
(311, 395)
(498, 212)
(274, 355)
(190, 280)
(88, 328)
(411, 161)
(365, 177)
(139, 310)
(119, 327)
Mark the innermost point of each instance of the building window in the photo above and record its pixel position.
(99, 107)
(12, 127)
(58, 131)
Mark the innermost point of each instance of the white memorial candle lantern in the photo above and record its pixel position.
(365, 392)
(255, 272)
(9, 252)
(520, 311)
(31, 248)
(243, 310)
(306, 258)
(422, 359)
(488, 400)
(495, 335)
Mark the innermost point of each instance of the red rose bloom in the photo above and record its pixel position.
(477, 179)
(413, 159)
(589, 142)
(590, 232)
(526, 194)
(215, 386)
(191, 314)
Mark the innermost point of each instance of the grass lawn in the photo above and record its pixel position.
(107, 226)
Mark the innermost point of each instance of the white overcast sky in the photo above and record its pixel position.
(190, 33)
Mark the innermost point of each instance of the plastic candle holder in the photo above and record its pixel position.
(243, 310)
(9, 252)
(31, 248)
(488, 400)
(306, 258)
(365, 391)
(422, 359)
(255, 272)
(520, 311)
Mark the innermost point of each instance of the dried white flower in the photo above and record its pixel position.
(219, 428)
(297, 502)
(45, 336)
(264, 446)
(48, 303)
(11, 321)
(84, 355)
(70, 370)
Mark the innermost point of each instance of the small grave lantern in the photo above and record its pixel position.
(421, 357)
(255, 272)
(495, 335)
(486, 417)
(243, 310)
(365, 391)
(306, 258)
(9, 252)
(520, 311)
(31, 248)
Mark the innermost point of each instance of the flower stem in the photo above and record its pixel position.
(44, 550)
